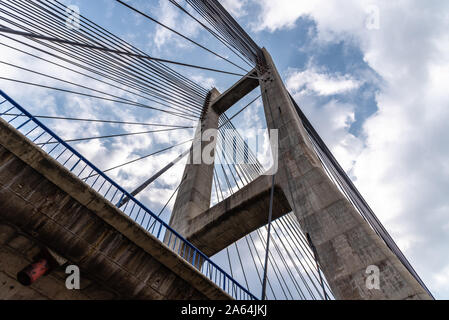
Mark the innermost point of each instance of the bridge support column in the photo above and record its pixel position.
(345, 243)
(194, 193)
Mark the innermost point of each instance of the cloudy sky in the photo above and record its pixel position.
(372, 76)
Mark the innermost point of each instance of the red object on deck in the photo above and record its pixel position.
(33, 272)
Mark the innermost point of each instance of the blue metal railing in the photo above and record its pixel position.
(59, 150)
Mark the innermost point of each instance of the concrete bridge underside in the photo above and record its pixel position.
(42, 205)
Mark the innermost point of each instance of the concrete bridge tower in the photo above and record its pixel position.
(345, 243)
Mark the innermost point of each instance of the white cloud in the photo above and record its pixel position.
(332, 17)
(333, 121)
(324, 84)
(205, 82)
(442, 279)
(171, 16)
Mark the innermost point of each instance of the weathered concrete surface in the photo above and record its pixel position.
(51, 207)
(240, 89)
(345, 243)
(16, 251)
(196, 186)
(235, 217)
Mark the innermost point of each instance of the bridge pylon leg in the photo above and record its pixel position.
(345, 243)
(194, 194)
